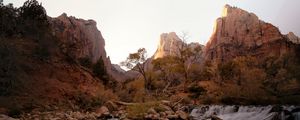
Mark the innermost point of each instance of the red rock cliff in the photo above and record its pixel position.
(239, 33)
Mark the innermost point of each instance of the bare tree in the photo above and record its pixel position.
(187, 55)
(137, 62)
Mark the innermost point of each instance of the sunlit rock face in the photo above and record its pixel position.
(239, 32)
(293, 38)
(79, 38)
(168, 45)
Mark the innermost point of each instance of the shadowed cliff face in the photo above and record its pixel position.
(239, 32)
(51, 73)
(79, 38)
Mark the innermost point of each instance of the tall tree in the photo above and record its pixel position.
(99, 70)
(33, 19)
(8, 20)
(167, 68)
(137, 62)
(187, 55)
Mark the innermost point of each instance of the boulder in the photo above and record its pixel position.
(111, 106)
(5, 117)
(182, 115)
(215, 118)
(103, 110)
(151, 111)
(169, 112)
(172, 116)
(165, 107)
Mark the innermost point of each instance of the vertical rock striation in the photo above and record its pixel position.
(170, 44)
(79, 38)
(239, 33)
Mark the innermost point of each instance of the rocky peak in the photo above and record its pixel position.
(238, 32)
(168, 45)
(293, 38)
(230, 11)
(79, 38)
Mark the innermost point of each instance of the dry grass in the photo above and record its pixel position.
(138, 111)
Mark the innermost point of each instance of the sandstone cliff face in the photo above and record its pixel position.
(239, 32)
(293, 38)
(170, 44)
(79, 38)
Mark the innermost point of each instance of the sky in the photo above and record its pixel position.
(127, 25)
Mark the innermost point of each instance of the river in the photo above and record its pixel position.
(236, 112)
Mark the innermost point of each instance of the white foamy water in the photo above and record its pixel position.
(234, 112)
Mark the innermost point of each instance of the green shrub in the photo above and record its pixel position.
(137, 111)
(195, 91)
(30, 20)
(88, 102)
(99, 69)
(226, 70)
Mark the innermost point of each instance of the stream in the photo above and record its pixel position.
(235, 112)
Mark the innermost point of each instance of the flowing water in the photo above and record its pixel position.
(234, 112)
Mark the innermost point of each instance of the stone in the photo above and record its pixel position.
(165, 107)
(162, 114)
(276, 108)
(155, 116)
(296, 110)
(172, 116)
(102, 110)
(169, 112)
(182, 115)
(5, 117)
(111, 106)
(166, 102)
(151, 111)
(215, 118)
(147, 116)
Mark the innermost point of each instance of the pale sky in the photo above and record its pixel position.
(127, 25)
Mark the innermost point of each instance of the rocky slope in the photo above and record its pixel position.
(50, 78)
(79, 38)
(239, 33)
